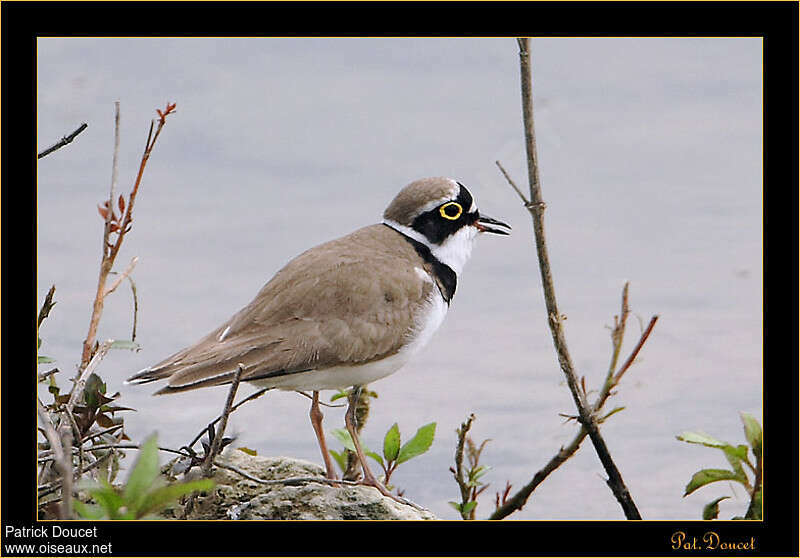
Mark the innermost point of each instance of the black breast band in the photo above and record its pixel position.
(445, 276)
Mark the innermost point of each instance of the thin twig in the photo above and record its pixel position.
(329, 405)
(136, 447)
(63, 461)
(618, 331)
(251, 397)
(63, 141)
(110, 250)
(135, 307)
(76, 434)
(44, 375)
(47, 455)
(458, 472)
(77, 389)
(107, 260)
(46, 489)
(536, 207)
(513, 184)
(217, 441)
(288, 481)
(114, 176)
(122, 276)
(635, 352)
(91, 436)
(518, 500)
(65, 432)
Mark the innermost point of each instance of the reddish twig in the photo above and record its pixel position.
(516, 502)
(635, 352)
(121, 227)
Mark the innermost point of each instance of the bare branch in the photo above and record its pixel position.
(62, 460)
(513, 184)
(135, 308)
(251, 397)
(329, 405)
(215, 443)
(122, 227)
(114, 178)
(536, 207)
(458, 472)
(287, 481)
(63, 141)
(635, 352)
(122, 276)
(44, 375)
(618, 331)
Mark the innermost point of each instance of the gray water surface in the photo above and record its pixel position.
(650, 153)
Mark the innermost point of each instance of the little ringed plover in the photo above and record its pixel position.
(347, 312)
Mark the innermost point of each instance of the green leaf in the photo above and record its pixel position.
(374, 456)
(340, 458)
(143, 474)
(391, 443)
(92, 390)
(456, 506)
(344, 437)
(476, 474)
(735, 456)
(706, 476)
(248, 451)
(41, 359)
(467, 507)
(419, 444)
(125, 344)
(701, 438)
(88, 511)
(107, 497)
(339, 395)
(711, 510)
(752, 431)
(161, 497)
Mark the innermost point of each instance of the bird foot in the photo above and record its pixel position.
(331, 476)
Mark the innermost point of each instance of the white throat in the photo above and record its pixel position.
(453, 252)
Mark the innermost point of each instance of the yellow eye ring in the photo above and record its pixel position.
(452, 217)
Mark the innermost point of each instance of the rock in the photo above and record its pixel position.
(237, 497)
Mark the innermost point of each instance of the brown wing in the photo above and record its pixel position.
(349, 301)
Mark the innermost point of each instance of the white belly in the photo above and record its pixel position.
(340, 377)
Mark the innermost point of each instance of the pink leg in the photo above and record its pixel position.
(316, 423)
(350, 423)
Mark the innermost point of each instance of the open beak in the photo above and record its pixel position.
(483, 222)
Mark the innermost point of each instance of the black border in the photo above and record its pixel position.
(776, 22)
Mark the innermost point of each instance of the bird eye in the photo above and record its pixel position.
(451, 211)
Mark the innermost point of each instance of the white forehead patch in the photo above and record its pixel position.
(455, 188)
(433, 204)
